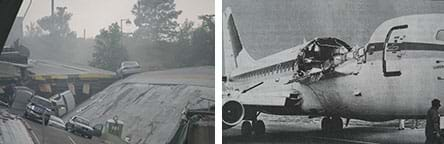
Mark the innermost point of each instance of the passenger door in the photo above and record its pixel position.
(392, 53)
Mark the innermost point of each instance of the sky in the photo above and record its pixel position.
(94, 15)
(266, 27)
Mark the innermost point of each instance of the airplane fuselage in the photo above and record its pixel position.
(371, 96)
(361, 92)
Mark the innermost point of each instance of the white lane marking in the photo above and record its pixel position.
(35, 136)
(340, 140)
(72, 141)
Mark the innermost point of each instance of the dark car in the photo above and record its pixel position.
(39, 108)
(79, 125)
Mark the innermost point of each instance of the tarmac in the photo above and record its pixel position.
(298, 129)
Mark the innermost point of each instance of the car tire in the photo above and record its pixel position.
(68, 128)
(46, 122)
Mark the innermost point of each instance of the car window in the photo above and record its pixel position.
(40, 101)
(81, 120)
(132, 63)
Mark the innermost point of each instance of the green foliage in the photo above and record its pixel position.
(185, 31)
(57, 24)
(33, 30)
(109, 51)
(202, 40)
(156, 19)
(194, 47)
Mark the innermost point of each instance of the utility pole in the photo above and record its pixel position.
(121, 30)
(84, 33)
(52, 25)
(52, 7)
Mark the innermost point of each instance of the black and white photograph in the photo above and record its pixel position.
(332, 71)
(107, 72)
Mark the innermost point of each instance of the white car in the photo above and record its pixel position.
(56, 122)
(79, 125)
(127, 68)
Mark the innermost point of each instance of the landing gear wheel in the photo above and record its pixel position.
(259, 127)
(332, 124)
(247, 128)
(325, 124)
(337, 124)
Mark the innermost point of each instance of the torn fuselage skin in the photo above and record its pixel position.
(319, 57)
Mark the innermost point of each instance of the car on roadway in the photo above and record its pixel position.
(39, 108)
(128, 68)
(56, 122)
(80, 126)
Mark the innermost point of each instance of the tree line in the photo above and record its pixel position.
(159, 42)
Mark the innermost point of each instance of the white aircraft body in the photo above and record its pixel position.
(395, 76)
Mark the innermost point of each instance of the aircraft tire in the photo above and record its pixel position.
(326, 124)
(259, 127)
(332, 124)
(336, 123)
(247, 128)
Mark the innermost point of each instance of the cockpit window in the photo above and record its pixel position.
(440, 35)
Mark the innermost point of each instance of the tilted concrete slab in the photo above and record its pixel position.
(151, 104)
(13, 130)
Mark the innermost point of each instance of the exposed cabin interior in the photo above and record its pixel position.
(323, 54)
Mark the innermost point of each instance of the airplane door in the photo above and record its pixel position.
(392, 53)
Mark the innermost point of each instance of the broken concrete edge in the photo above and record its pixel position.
(31, 133)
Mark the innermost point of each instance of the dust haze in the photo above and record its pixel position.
(79, 49)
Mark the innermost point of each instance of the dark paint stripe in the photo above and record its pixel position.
(407, 46)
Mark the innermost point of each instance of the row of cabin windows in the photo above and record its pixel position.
(275, 69)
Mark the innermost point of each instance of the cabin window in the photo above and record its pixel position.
(440, 35)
